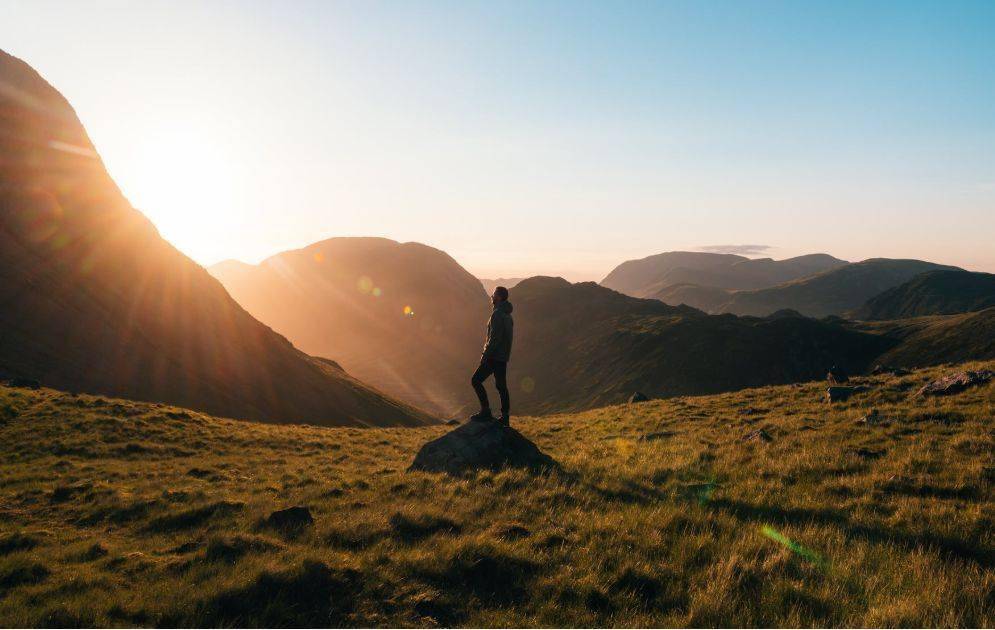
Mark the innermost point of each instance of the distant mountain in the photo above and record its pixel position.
(932, 293)
(582, 345)
(925, 341)
(404, 317)
(93, 299)
(507, 283)
(833, 292)
(651, 275)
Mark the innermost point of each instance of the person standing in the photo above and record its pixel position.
(495, 357)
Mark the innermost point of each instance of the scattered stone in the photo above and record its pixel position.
(955, 383)
(837, 376)
(840, 394)
(872, 417)
(638, 397)
(758, 436)
(28, 383)
(481, 445)
(291, 519)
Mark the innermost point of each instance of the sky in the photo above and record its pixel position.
(559, 138)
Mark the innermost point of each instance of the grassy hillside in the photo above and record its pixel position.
(579, 346)
(932, 293)
(120, 513)
(833, 292)
(404, 317)
(937, 339)
(93, 299)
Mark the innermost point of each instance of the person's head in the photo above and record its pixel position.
(500, 295)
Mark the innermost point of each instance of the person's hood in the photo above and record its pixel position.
(505, 307)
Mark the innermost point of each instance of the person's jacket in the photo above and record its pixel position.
(500, 329)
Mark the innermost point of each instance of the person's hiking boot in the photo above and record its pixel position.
(483, 414)
(505, 420)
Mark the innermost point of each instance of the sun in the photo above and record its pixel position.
(181, 177)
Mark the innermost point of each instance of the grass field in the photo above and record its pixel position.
(121, 513)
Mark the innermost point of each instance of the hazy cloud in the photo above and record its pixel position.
(742, 250)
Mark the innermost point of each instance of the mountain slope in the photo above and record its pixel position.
(664, 515)
(582, 345)
(404, 317)
(932, 293)
(650, 275)
(937, 339)
(93, 299)
(831, 292)
(507, 283)
(708, 299)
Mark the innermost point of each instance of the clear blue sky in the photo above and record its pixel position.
(543, 137)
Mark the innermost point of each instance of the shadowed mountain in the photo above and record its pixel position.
(403, 316)
(708, 299)
(582, 345)
(93, 299)
(507, 283)
(831, 292)
(648, 276)
(932, 293)
(937, 339)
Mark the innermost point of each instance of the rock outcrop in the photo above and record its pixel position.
(481, 445)
(955, 383)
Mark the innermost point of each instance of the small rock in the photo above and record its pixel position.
(638, 397)
(758, 436)
(480, 446)
(955, 383)
(453, 423)
(291, 519)
(872, 417)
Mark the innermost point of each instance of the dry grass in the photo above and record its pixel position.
(114, 513)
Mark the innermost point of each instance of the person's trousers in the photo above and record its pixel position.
(499, 369)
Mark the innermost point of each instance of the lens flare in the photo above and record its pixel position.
(318, 257)
(528, 384)
(377, 292)
(408, 311)
(365, 285)
(795, 547)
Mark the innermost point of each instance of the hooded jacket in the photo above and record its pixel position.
(500, 329)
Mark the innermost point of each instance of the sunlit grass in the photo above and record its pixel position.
(122, 513)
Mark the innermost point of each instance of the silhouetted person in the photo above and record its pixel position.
(494, 360)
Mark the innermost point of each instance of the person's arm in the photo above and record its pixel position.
(496, 334)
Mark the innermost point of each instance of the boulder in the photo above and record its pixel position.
(291, 519)
(955, 383)
(638, 397)
(481, 445)
(838, 393)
